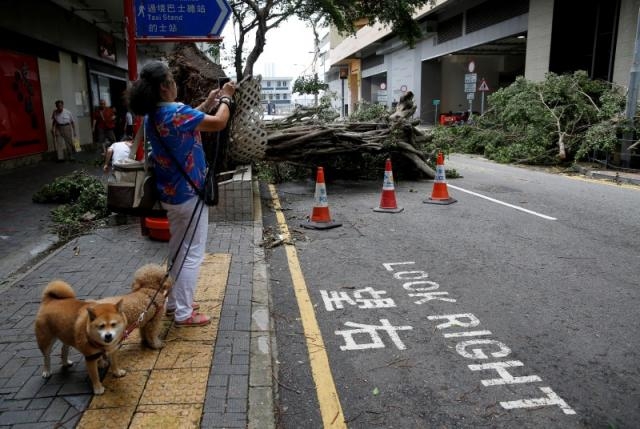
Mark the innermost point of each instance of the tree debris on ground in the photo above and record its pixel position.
(308, 137)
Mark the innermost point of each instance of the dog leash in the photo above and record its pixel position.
(199, 192)
(199, 205)
(140, 319)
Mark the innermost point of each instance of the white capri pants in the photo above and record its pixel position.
(191, 252)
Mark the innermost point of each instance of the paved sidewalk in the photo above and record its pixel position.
(239, 383)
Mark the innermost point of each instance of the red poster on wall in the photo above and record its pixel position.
(22, 125)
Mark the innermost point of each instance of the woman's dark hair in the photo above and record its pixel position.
(144, 94)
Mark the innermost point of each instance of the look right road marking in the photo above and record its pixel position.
(474, 348)
(330, 408)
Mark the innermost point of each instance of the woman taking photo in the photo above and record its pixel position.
(173, 129)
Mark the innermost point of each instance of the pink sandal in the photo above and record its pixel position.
(196, 319)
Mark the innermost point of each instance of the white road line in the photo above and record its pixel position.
(503, 203)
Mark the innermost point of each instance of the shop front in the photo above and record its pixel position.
(48, 53)
(23, 130)
(109, 84)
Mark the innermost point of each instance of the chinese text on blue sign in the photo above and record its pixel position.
(181, 18)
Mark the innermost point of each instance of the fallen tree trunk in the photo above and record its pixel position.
(301, 136)
(309, 136)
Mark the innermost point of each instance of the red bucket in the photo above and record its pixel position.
(158, 228)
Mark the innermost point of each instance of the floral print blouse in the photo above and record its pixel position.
(175, 123)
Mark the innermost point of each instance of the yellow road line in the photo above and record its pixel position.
(330, 408)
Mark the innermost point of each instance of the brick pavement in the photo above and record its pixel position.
(239, 390)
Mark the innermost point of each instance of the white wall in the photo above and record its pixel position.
(66, 81)
(625, 50)
(539, 39)
(335, 87)
(402, 73)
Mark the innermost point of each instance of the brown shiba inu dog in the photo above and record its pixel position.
(95, 330)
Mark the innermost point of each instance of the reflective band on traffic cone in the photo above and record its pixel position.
(320, 217)
(388, 198)
(440, 194)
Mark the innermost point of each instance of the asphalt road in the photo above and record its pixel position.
(514, 307)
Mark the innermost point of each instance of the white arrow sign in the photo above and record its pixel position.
(225, 13)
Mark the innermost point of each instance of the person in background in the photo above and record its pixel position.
(63, 129)
(175, 127)
(104, 124)
(128, 124)
(117, 152)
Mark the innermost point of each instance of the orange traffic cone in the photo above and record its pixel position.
(320, 217)
(388, 199)
(440, 195)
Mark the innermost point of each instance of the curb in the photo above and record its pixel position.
(609, 175)
(45, 255)
(262, 345)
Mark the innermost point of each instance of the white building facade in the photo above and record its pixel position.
(471, 48)
(276, 95)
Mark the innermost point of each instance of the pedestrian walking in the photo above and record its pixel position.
(173, 129)
(63, 129)
(104, 125)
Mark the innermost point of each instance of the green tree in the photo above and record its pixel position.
(557, 120)
(310, 85)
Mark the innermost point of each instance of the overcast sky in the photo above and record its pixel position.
(287, 53)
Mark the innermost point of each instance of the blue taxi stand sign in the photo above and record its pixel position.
(183, 19)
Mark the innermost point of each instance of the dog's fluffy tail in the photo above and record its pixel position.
(58, 289)
(151, 276)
